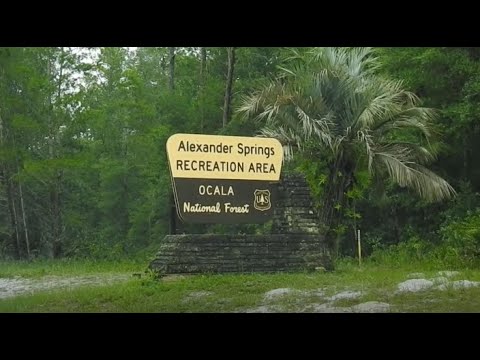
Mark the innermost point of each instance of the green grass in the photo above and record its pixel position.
(234, 292)
(39, 268)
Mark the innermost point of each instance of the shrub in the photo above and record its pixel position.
(461, 237)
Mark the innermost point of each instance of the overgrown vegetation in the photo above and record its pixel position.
(83, 171)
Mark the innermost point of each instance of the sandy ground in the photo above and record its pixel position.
(11, 287)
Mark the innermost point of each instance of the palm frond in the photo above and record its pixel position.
(332, 100)
(427, 184)
(287, 138)
(253, 104)
(412, 118)
(416, 152)
(366, 139)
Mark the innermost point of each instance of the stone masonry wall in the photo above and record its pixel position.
(190, 254)
(296, 242)
(294, 212)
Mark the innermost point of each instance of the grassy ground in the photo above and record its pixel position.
(36, 269)
(231, 293)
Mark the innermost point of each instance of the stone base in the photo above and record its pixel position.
(213, 253)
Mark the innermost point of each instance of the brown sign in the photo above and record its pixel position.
(224, 179)
(224, 201)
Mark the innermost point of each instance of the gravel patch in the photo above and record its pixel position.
(414, 285)
(448, 273)
(276, 293)
(21, 286)
(345, 295)
(440, 280)
(371, 307)
(464, 284)
(327, 308)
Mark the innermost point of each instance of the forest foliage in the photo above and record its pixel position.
(83, 169)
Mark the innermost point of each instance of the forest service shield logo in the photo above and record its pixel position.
(262, 200)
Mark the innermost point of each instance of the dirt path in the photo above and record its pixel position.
(11, 287)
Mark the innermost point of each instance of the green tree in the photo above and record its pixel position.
(229, 84)
(330, 103)
(449, 80)
(446, 79)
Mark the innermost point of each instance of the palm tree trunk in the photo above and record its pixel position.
(228, 90)
(334, 201)
(333, 196)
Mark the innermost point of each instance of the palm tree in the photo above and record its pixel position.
(330, 103)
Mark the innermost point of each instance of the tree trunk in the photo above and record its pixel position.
(13, 212)
(172, 87)
(228, 90)
(340, 180)
(25, 228)
(5, 178)
(54, 187)
(203, 68)
(55, 210)
(465, 158)
(125, 185)
(22, 206)
(396, 225)
(171, 77)
(333, 199)
(203, 64)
